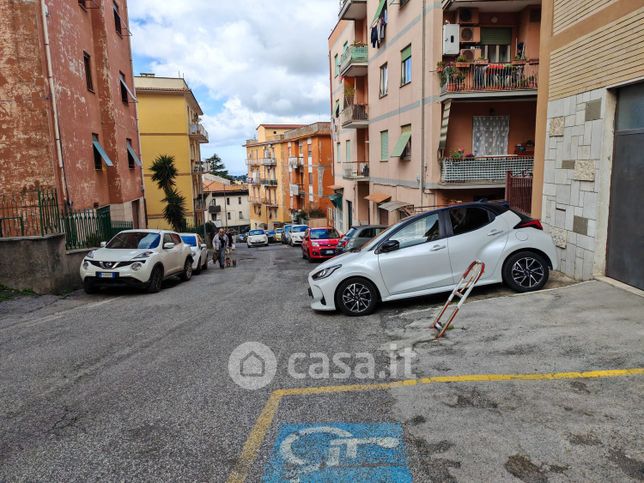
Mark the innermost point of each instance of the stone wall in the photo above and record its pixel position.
(575, 160)
(39, 264)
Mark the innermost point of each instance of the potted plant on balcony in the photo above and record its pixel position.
(349, 94)
(440, 66)
(518, 60)
(462, 62)
(458, 154)
(481, 60)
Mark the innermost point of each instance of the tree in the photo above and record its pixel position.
(216, 166)
(164, 173)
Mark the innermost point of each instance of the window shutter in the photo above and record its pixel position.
(496, 36)
(406, 53)
(384, 145)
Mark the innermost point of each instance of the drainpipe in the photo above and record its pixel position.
(52, 95)
(422, 109)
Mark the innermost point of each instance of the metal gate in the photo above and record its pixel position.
(625, 250)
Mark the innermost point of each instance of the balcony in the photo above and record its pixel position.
(254, 200)
(353, 9)
(253, 181)
(355, 170)
(200, 204)
(269, 162)
(296, 190)
(198, 168)
(268, 182)
(198, 132)
(253, 162)
(296, 162)
(484, 169)
(489, 80)
(270, 203)
(355, 116)
(355, 61)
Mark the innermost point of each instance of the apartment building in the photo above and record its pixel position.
(268, 176)
(590, 136)
(227, 204)
(310, 166)
(67, 110)
(169, 121)
(432, 103)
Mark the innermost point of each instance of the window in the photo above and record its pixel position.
(348, 151)
(337, 64)
(228, 201)
(130, 159)
(81, 3)
(496, 53)
(384, 80)
(98, 159)
(123, 87)
(384, 145)
(405, 70)
(176, 239)
(490, 135)
(241, 215)
(496, 44)
(337, 108)
(117, 19)
(465, 220)
(167, 238)
(239, 200)
(338, 148)
(87, 59)
(420, 231)
(402, 149)
(228, 215)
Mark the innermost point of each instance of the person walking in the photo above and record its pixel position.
(220, 244)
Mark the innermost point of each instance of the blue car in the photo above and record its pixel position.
(271, 236)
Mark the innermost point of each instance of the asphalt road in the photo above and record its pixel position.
(121, 386)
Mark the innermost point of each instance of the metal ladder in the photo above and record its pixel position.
(462, 290)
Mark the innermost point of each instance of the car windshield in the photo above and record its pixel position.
(299, 229)
(324, 234)
(375, 241)
(279, 230)
(132, 240)
(189, 240)
(271, 232)
(256, 232)
(352, 231)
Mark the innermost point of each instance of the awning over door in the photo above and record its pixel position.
(394, 205)
(377, 197)
(336, 187)
(336, 199)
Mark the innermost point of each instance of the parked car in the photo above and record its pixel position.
(287, 232)
(257, 238)
(296, 234)
(428, 253)
(199, 251)
(138, 258)
(320, 243)
(357, 236)
(279, 232)
(271, 236)
(242, 237)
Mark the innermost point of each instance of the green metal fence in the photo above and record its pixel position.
(36, 213)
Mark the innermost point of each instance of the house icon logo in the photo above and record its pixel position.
(252, 365)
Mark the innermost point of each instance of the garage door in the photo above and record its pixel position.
(625, 252)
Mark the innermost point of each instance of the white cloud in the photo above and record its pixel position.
(264, 61)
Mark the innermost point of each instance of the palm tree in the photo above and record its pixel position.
(175, 209)
(164, 171)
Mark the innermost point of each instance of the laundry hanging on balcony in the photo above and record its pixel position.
(379, 25)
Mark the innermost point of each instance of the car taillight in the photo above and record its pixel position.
(530, 224)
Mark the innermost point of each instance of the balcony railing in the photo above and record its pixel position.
(355, 61)
(296, 189)
(254, 181)
(355, 116)
(200, 204)
(353, 9)
(484, 168)
(355, 170)
(270, 203)
(254, 162)
(198, 168)
(269, 161)
(268, 182)
(253, 200)
(296, 161)
(489, 78)
(199, 132)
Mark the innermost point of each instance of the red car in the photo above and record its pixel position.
(320, 243)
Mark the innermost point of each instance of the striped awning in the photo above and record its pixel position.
(447, 105)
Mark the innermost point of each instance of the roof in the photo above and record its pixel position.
(378, 197)
(216, 186)
(166, 85)
(394, 205)
(281, 126)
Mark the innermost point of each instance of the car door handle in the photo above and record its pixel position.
(436, 248)
(495, 232)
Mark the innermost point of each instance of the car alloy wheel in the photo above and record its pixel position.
(527, 272)
(187, 271)
(356, 296)
(156, 279)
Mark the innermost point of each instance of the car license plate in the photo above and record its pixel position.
(328, 252)
(107, 275)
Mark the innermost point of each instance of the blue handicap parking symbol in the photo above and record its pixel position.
(338, 452)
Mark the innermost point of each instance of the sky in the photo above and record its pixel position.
(247, 61)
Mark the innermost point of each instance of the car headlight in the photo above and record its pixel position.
(315, 244)
(325, 273)
(147, 254)
(90, 254)
(86, 265)
(137, 266)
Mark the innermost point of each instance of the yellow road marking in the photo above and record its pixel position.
(265, 419)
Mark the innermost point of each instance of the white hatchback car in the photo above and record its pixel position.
(199, 251)
(138, 258)
(257, 238)
(296, 235)
(428, 253)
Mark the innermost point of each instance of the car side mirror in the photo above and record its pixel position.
(103, 244)
(168, 246)
(389, 246)
(203, 246)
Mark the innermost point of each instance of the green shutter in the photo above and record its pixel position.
(348, 151)
(384, 146)
(403, 140)
(496, 36)
(381, 7)
(406, 53)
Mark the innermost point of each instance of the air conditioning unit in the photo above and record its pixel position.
(470, 35)
(451, 43)
(467, 16)
(470, 55)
